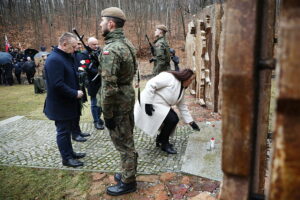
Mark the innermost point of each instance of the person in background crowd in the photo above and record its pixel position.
(77, 134)
(94, 80)
(175, 60)
(8, 74)
(29, 68)
(18, 70)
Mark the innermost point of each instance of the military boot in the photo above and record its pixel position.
(121, 188)
(118, 177)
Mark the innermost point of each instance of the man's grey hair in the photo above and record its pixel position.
(92, 39)
(65, 37)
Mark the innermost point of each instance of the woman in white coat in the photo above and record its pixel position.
(155, 109)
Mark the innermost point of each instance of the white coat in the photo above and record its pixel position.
(162, 91)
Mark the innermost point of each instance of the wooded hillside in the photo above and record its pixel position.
(33, 23)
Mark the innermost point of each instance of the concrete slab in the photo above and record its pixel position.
(200, 161)
(12, 119)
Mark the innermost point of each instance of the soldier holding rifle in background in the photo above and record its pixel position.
(160, 50)
(89, 61)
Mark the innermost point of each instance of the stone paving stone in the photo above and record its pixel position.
(32, 143)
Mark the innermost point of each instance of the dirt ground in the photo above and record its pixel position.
(165, 186)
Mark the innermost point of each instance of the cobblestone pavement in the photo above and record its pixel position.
(32, 143)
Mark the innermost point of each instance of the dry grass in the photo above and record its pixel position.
(28, 183)
(21, 100)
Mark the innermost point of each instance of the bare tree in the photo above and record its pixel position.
(47, 18)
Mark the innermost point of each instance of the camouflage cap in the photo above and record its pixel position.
(113, 12)
(162, 27)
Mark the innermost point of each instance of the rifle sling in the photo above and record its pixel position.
(136, 67)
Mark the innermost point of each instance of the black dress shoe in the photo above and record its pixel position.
(78, 155)
(118, 177)
(121, 188)
(99, 126)
(72, 163)
(168, 148)
(78, 138)
(84, 134)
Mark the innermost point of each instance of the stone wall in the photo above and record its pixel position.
(202, 50)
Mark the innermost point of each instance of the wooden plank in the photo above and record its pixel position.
(285, 177)
(238, 86)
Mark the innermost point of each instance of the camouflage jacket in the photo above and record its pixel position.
(117, 69)
(40, 68)
(162, 55)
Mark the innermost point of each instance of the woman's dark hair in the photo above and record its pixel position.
(182, 75)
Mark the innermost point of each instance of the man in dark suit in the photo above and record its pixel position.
(63, 94)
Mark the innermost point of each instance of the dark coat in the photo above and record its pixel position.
(78, 56)
(175, 60)
(18, 67)
(81, 75)
(29, 67)
(62, 85)
(92, 71)
(8, 68)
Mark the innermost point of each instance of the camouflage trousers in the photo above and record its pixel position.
(122, 137)
(39, 85)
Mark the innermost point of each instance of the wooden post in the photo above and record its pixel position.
(238, 87)
(285, 175)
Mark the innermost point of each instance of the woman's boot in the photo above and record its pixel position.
(158, 142)
(168, 148)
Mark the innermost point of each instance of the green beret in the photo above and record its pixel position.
(162, 27)
(113, 12)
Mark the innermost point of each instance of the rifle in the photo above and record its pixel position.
(90, 51)
(151, 46)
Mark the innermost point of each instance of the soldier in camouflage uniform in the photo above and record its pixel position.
(161, 51)
(38, 80)
(117, 68)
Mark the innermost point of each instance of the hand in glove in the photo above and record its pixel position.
(110, 123)
(194, 126)
(149, 109)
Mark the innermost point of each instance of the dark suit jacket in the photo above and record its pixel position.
(62, 85)
(93, 86)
